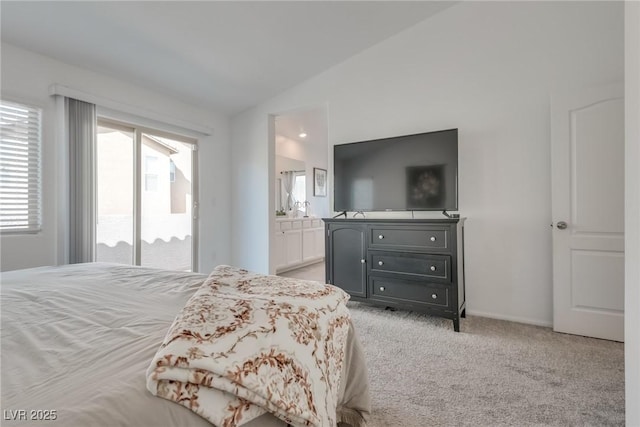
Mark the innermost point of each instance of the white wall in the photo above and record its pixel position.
(26, 77)
(252, 192)
(632, 213)
(489, 69)
(317, 157)
(289, 148)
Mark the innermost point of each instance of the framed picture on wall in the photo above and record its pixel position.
(319, 182)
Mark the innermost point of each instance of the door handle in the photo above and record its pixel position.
(561, 225)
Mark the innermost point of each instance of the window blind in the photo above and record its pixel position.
(82, 132)
(20, 181)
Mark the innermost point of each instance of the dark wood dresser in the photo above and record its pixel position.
(412, 264)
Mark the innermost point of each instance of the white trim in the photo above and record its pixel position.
(632, 211)
(517, 319)
(114, 106)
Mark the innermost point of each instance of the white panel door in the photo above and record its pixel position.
(587, 174)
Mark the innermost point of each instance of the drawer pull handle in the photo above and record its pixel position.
(380, 263)
(380, 236)
(432, 268)
(433, 238)
(434, 296)
(382, 288)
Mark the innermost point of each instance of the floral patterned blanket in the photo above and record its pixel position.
(246, 344)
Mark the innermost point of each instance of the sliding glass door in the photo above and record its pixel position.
(145, 197)
(166, 203)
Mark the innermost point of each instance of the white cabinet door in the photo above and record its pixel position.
(308, 244)
(281, 250)
(319, 242)
(298, 246)
(293, 244)
(313, 244)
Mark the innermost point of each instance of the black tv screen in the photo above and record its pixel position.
(410, 172)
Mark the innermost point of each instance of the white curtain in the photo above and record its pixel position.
(81, 130)
(288, 180)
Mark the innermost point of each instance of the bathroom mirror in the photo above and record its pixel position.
(291, 186)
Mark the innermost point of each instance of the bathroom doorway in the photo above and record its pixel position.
(300, 146)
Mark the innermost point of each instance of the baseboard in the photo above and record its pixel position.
(517, 319)
(300, 265)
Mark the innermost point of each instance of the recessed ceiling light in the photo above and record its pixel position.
(302, 135)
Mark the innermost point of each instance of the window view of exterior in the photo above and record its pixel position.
(165, 195)
(299, 190)
(115, 196)
(166, 204)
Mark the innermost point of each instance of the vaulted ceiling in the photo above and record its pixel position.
(221, 55)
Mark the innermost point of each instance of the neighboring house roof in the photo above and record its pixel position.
(163, 143)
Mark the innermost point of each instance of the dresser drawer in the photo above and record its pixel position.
(408, 291)
(409, 237)
(411, 264)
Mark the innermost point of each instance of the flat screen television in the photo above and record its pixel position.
(410, 172)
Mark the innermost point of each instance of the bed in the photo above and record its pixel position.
(79, 343)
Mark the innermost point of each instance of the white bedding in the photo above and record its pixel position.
(77, 340)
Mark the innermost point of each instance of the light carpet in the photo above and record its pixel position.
(492, 373)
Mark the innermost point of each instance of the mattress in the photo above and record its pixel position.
(77, 340)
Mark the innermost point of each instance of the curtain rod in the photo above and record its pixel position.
(293, 171)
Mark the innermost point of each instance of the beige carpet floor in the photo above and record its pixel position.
(492, 373)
